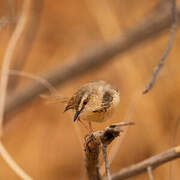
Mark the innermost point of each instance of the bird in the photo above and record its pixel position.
(94, 101)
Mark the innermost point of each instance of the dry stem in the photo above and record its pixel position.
(153, 162)
(92, 149)
(149, 170)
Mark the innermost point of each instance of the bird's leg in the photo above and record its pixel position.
(83, 124)
(90, 127)
(87, 128)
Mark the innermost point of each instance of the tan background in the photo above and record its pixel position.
(41, 138)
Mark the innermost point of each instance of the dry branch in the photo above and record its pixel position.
(151, 25)
(150, 174)
(153, 162)
(107, 168)
(92, 149)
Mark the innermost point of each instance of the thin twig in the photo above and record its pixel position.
(104, 151)
(154, 162)
(39, 79)
(166, 51)
(121, 124)
(155, 23)
(149, 170)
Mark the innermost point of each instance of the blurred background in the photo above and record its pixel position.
(44, 140)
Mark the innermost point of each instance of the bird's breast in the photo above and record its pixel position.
(97, 116)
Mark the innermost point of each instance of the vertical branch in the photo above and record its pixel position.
(92, 157)
(92, 149)
(149, 170)
(104, 150)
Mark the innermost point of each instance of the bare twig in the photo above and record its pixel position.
(104, 150)
(153, 162)
(155, 23)
(166, 51)
(149, 170)
(43, 81)
(121, 124)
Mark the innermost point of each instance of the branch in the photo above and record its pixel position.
(104, 150)
(152, 162)
(166, 51)
(92, 149)
(154, 24)
(38, 79)
(149, 170)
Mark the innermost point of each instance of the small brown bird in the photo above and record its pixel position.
(94, 101)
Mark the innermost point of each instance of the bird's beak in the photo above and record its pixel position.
(76, 115)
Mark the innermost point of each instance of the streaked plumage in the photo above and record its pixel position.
(94, 101)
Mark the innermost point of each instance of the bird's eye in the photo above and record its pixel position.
(85, 102)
